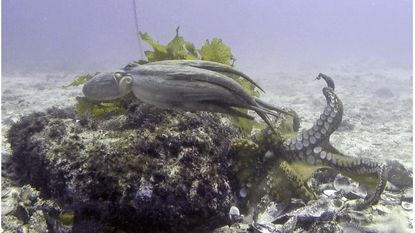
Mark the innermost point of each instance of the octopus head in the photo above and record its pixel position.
(108, 86)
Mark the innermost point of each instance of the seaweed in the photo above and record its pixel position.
(79, 80)
(177, 48)
(84, 106)
(216, 51)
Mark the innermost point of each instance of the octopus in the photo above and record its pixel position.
(182, 84)
(194, 85)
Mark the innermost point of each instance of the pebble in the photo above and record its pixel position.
(407, 195)
(381, 209)
(269, 154)
(407, 205)
(330, 192)
(234, 214)
(243, 192)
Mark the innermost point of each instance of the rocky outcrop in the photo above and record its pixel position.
(153, 170)
(149, 170)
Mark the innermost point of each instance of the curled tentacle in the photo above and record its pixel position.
(313, 147)
(374, 197)
(329, 80)
(327, 123)
(298, 182)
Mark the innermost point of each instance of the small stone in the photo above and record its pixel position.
(243, 192)
(407, 205)
(233, 211)
(234, 215)
(381, 209)
(330, 192)
(269, 154)
(407, 195)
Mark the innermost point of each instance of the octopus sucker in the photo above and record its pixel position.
(323, 155)
(320, 151)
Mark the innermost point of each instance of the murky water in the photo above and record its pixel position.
(365, 46)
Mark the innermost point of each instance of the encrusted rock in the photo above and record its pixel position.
(151, 170)
(399, 175)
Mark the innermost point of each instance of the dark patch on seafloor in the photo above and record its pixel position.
(152, 170)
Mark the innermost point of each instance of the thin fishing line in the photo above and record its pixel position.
(137, 30)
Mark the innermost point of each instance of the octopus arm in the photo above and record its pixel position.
(208, 65)
(191, 74)
(212, 106)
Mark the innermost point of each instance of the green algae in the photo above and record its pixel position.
(217, 51)
(84, 106)
(67, 217)
(79, 80)
(177, 48)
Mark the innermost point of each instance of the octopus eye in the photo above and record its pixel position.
(118, 75)
(127, 79)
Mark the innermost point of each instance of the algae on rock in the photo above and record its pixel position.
(155, 170)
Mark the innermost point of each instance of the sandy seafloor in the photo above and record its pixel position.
(377, 103)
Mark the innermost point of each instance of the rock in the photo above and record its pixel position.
(234, 215)
(330, 192)
(407, 205)
(25, 211)
(398, 175)
(326, 227)
(237, 228)
(407, 195)
(155, 170)
(37, 222)
(349, 188)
